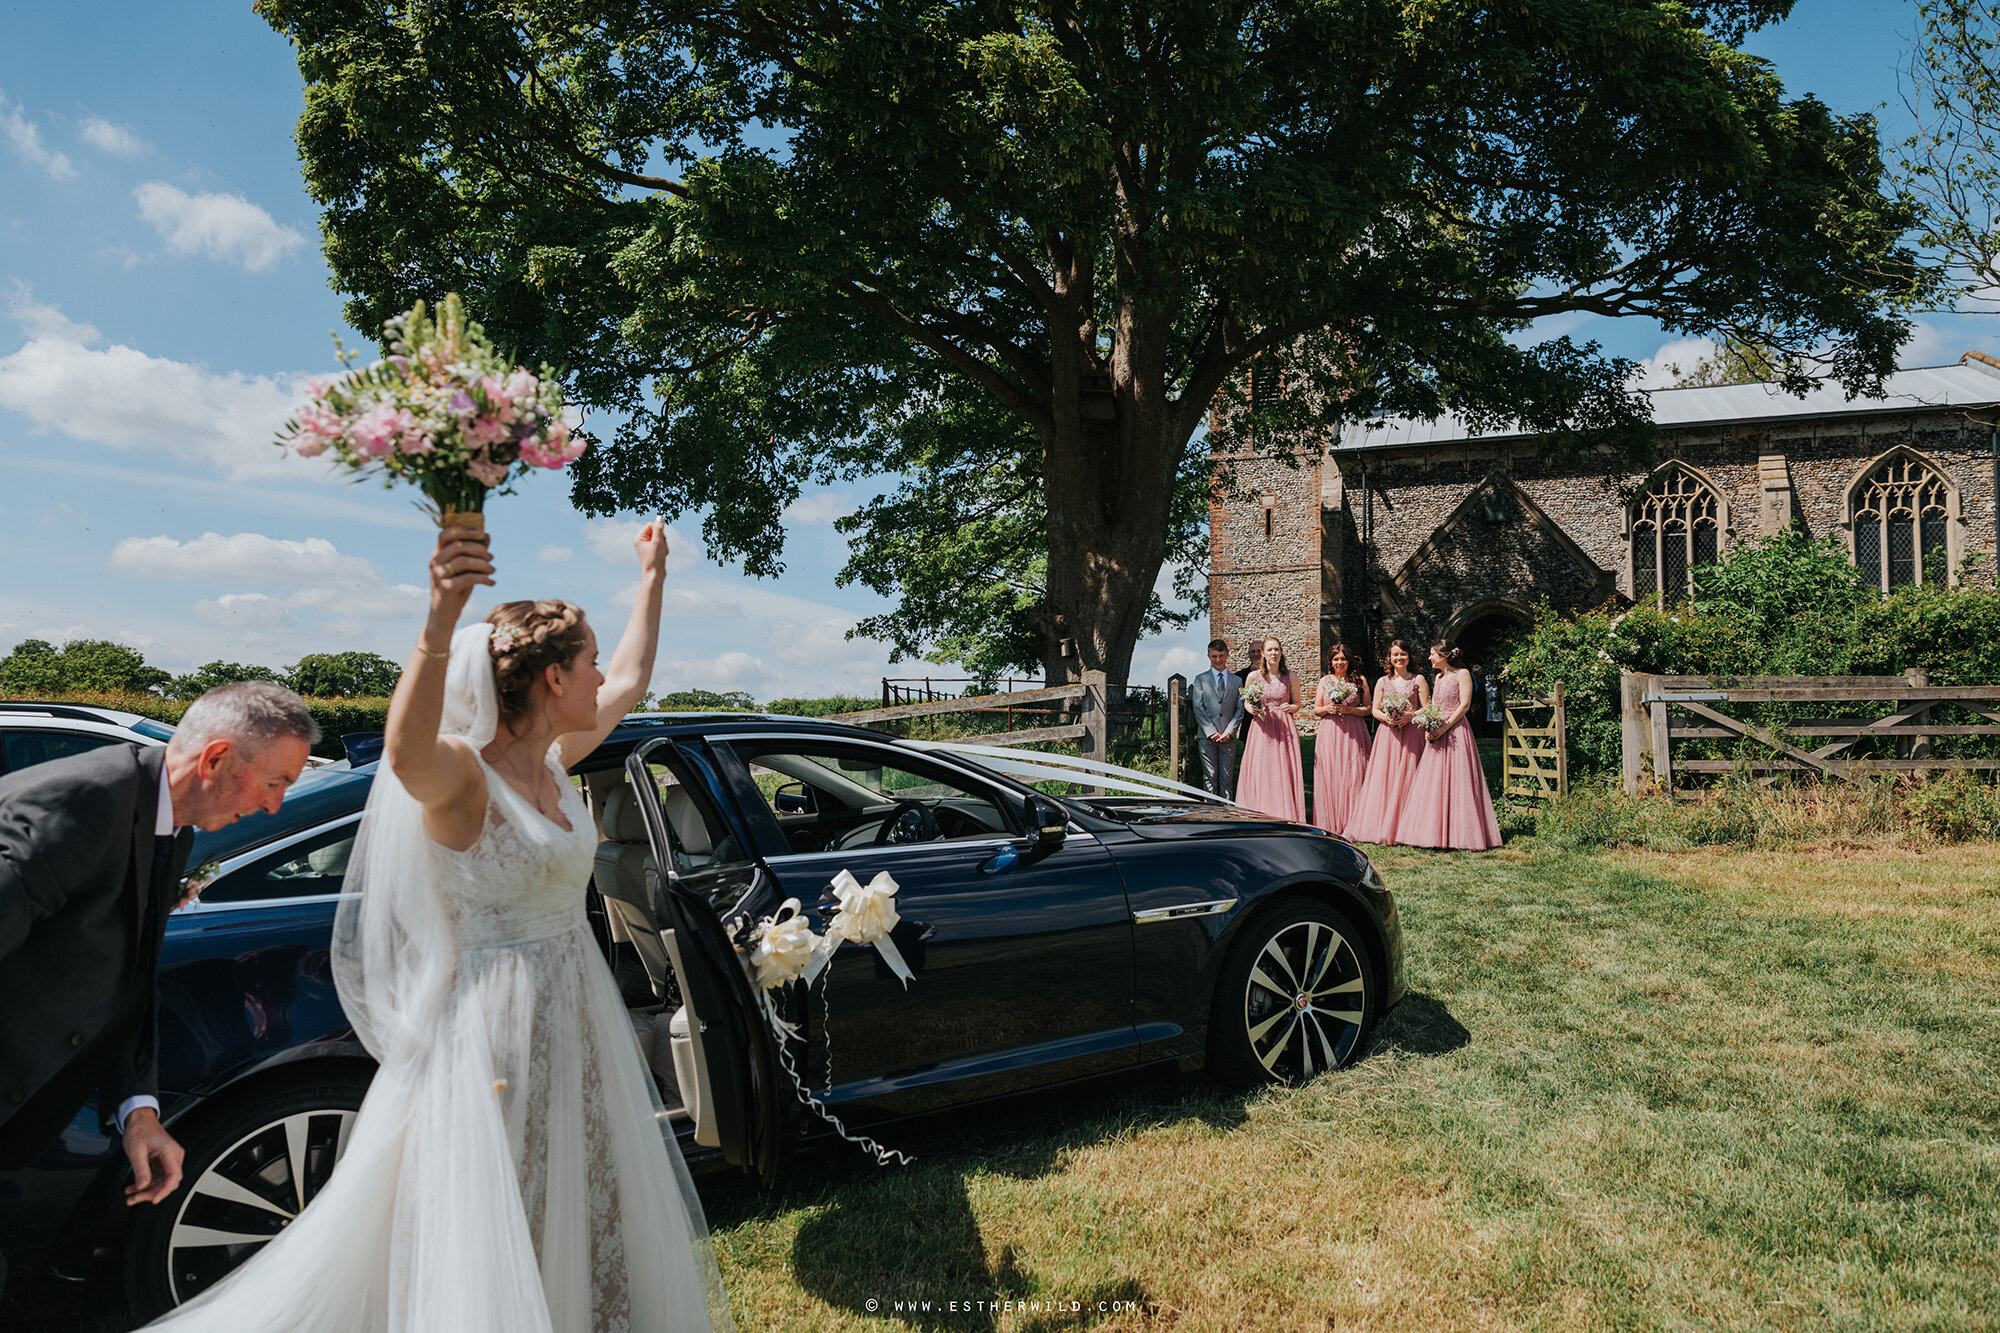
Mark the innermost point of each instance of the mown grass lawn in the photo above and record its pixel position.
(1628, 1090)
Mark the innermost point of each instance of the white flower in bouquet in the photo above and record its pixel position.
(444, 411)
(1429, 717)
(1253, 697)
(1338, 690)
(1395, 704)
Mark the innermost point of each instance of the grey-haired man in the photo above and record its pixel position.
(1218, 716)
(92, 848)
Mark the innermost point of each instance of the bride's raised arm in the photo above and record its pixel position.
(631, 668)
(438, 772)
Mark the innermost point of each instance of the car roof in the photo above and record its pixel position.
(71, 711)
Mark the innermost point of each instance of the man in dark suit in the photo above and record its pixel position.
(92, 848)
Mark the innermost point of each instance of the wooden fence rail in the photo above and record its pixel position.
(1091, 730)
(1649, 728)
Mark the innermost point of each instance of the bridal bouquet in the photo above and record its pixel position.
(444, 411)
(1430, 717)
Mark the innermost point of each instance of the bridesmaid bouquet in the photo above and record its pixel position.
(1429, 717)
(1253, 699)
(1394, 704)
(444, 411)
(1338, 691)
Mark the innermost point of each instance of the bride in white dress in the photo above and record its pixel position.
(507, 1172)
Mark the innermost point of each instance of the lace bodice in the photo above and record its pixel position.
(1277, 690)
(1445, 692)
(1406, 688)
(524, 879)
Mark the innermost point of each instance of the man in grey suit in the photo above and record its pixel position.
(92, 849)
(1218, 716)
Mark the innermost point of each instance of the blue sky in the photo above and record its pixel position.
(162, 296)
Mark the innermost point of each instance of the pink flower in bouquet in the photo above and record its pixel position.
(484, 470)
(462, 404)
(559, 450)
(521, 387)
(376, 432)
(498, 401)
(483, 432)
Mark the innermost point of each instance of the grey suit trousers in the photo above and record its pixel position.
(1218, 765)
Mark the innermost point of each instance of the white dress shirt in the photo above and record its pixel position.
(163, 827)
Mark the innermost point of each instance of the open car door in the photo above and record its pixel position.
(739, 1093)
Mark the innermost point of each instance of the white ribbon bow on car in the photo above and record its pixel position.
(866, 915)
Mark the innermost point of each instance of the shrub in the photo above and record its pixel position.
(827, 707)
(1955, 807)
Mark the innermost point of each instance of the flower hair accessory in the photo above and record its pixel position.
(505, 641)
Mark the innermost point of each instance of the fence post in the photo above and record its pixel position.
(1632, 729)
(1562, 741)
(1919, 746)
(1176, 685)
(1663, 747)
(1096, 724)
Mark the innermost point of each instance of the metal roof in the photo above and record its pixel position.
(1973, 382)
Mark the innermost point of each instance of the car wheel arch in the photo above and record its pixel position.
(1330, 893)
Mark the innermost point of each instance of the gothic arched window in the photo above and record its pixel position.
(1676, 525)
(1900, 511)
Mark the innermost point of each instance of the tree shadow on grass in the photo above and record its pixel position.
(907, 1238)
(1420, 1025)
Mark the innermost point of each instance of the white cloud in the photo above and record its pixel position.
(610, 539)
(682, 604)
(101, 133)
(27, 140)
(722, 673)
(121, 397)
(244, 557)
(45, 320)
(1679, 356)
(550, 555)
(1930, 345)
(1180, 658)
(225, 227)
(246, 611)
(822, 508)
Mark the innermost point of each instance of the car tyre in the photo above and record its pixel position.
(1295, 998)
(243, 1174)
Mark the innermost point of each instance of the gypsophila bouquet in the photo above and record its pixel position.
(1338, 690)
(1394, 703)
(444, 411)
(1429, 717)
(1253, 697)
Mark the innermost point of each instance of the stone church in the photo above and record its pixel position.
(1423, 530)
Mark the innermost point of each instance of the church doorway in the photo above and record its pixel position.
(1480, 631)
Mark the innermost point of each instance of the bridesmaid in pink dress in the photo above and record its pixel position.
(1272, 779)
(1340, 754)
(1448, 805)
(1398, 749)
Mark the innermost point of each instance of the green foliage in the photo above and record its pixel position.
(205, 678)
(93, 665)
(697, 701)
(335, 716)
(827, 707)
(1089, 225)
(1736, 362)
(1787, 606)
(1957, 807)
(343, 675)
(1951, 166)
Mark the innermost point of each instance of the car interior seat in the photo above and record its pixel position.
(623, 859)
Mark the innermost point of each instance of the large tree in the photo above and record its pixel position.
(1951, 166)
(761, 233)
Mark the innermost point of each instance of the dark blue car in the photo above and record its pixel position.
(1052, 939)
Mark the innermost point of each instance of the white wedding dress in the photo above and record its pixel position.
(507, 1172)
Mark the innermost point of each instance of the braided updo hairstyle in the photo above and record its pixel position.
(543, 634)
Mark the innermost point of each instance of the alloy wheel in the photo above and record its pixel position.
(1305, 1000)
(250, 1193)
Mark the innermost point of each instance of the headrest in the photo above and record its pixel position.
(622, 821)
(689, 827)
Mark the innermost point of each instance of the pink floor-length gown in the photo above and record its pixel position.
(1392, 764)
(1340, 765)
(1272, 778)
(1447, 805)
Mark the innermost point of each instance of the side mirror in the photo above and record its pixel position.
(794, 798)
(1049, 822)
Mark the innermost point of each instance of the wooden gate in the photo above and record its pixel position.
(1534, 761)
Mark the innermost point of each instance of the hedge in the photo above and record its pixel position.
(336, 717)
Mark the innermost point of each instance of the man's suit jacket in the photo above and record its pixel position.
(84, 897)
(1216, 710)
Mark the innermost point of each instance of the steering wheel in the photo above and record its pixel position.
(910, 821)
